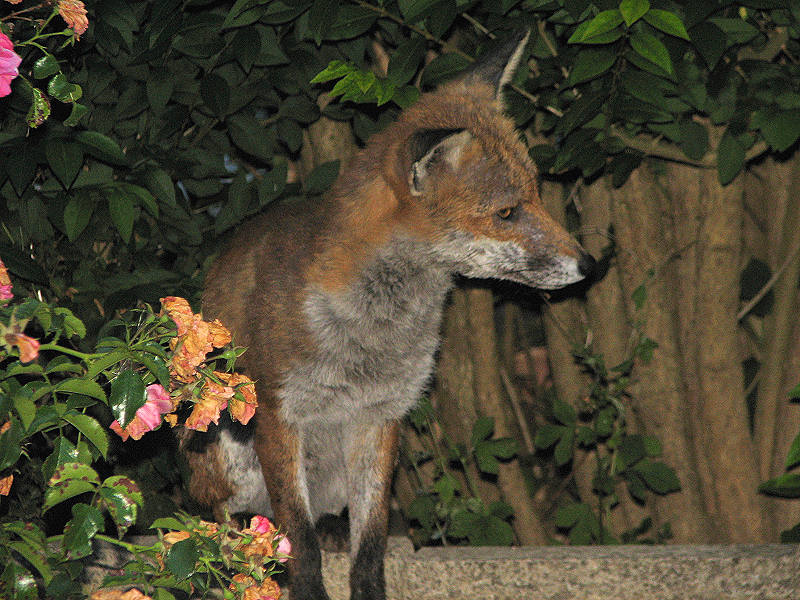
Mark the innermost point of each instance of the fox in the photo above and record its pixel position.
(339, 303)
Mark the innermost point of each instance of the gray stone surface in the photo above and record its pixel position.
(768, 572)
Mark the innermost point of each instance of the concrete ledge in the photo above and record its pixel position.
(741, 572)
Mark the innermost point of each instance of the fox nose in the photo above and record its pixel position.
(586, 264)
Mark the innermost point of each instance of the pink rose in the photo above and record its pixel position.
(148, 416)
(261, 524)
(9, 61)
(284, 548)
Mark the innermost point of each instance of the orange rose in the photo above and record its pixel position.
(74, 14)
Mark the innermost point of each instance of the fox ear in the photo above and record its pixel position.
(497, 67)
(432, 147)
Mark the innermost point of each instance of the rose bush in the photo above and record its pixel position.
(54, 400)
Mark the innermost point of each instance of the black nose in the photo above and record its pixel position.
(586, 264)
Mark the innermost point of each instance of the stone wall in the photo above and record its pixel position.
(769, 572)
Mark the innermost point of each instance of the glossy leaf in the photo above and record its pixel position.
(77, 214)
(81, 386)
(182, 558)
(64, 451)
(45, 66)
(61, 89)
(86, 522)
(90, 428)
(69, 480)
(127, 396)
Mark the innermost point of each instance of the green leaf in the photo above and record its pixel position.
(633, 10)
(443, 67)
(322, 177)
(658, 477)
(667, 22)
(563, 412)
(63, 452)
(77, 214)
(785, 486)
(351, 21)
(102, 147)
(693, 139)
(405, 61)
(69, 480)
(547, 435)
(564, 448)
(182, 558)
(793, 457)
(86, 387)
(710, 41)
(127, 396)
(631, 450)
(61, 89)
(415, 10)
(75, 115)
(10, 444)
(123, 212)
(779, 128)
(321, 16)
(651, 48)
(482, 429)
(730, 158)
(216, 94)
(247, 46)
(336, 69)
(590, 63)
(120, 506)
(168, 523)
(45, 66)
(26, 409)
(65, 159)
(273, 184)
(567, 516)
(160, 185)
(639, 296)
(90, 428)
(159, 88)
(604, 22)
(85, 523)
(71, 324)
(18, 582)
(34, 553)
(39, 110)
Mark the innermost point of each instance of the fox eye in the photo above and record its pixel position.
(506, 213)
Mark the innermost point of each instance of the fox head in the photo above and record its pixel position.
(465, 167)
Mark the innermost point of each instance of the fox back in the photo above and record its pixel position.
(339, 303)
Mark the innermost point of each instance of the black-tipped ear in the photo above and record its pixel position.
(429, 147)
(497, 67)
